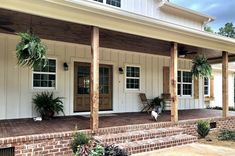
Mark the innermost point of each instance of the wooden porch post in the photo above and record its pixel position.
(173, 82)
(225, 83)
(94, 84)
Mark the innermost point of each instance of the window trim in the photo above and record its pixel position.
(131, 89)
(181, 83)
(207, 86)
(56, 75)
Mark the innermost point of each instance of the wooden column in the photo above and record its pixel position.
(94, 80)
(225, 83)
(173, 82)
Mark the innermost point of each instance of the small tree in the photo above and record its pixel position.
(228, 30)
(208, 29)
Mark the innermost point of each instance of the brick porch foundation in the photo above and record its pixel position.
(58, 143)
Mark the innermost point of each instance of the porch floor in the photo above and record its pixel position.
(20, 127)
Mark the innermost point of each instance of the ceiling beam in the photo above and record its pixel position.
(217, 60)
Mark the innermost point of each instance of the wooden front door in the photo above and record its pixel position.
(82, 87)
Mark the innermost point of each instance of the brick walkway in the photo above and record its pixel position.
(21, 127)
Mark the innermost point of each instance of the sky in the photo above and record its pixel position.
(223, 10)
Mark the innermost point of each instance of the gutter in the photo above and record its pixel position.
(206, 18)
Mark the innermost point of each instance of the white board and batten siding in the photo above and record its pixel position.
(16, 89)
(150, 8)
(218, 89)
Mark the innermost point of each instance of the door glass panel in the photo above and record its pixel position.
(104, 80)
(83, 80)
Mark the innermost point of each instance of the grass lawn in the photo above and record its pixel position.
(212, 139)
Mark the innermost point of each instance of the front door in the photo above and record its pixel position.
(82, 87)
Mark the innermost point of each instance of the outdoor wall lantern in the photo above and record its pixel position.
(120, 69)
(66, 67)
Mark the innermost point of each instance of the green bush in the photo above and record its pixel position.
(203, 128)
(98, 150)
(227, 135)
(78, 140)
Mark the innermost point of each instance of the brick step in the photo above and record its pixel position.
(157, 143)
(138, 135)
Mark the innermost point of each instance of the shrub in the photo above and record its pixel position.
(220, 108)
(46, 105)
(98, 150)
(113, 150)
(78, 140)
(227, 135)
(203, 128)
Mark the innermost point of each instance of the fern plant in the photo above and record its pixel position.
(46, 105)
(30, 51)
(201, 67)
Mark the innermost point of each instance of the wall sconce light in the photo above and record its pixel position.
(120, 69)
(66, 67)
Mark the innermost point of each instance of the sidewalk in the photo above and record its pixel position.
(195, 149)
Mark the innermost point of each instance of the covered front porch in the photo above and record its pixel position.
(22, 127)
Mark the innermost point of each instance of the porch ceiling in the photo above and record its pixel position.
(58, 30)
(89, 13)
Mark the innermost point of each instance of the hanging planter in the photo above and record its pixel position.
(201, 67)
(30, 51)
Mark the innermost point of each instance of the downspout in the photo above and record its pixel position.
(162, 2)
(206, 22)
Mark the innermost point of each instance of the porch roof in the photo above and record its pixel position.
(111, 18)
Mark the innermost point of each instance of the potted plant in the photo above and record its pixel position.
(159, 104)
(46, 105)
(30, 51)
(201, 67)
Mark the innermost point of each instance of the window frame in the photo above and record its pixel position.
(105, 2)
(132, 89)
(182, 83)
(49, 73)
(207, 86)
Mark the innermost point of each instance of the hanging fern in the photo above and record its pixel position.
(201, 67)
(30, 51)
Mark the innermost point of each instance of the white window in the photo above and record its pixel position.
(44, 77)
(185, 84)
(116, 3)
(206, 86)
(132, 78)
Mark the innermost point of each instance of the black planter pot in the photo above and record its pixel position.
(48, 115)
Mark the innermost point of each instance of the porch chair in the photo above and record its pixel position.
(147, 107)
